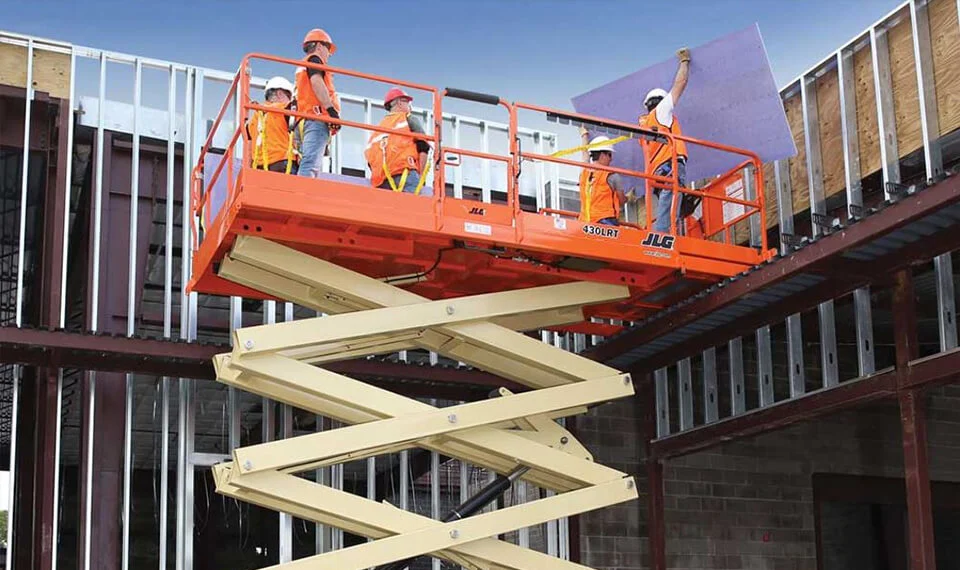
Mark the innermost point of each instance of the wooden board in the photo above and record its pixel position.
(798, 164)
(770, 195)
(945, 40)
(867, 128)
(831, 133)
(906, 99)
(51, 71)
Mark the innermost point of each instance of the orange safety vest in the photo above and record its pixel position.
(389, 155)
(656, 153)
(597, 199)
(307, 101)
(271, 137)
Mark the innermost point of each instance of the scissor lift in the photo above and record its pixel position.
(461, 278)
(367, 316)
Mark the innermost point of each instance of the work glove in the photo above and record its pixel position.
(683, 54)
(334, 114)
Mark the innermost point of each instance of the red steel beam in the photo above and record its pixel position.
(913, 422)
(813, 405)
(61, 349)
(656, 518)
(913, 418)
(818, 257)
(906, 343)
(928, 372)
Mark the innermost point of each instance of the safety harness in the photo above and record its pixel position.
(403, 177)
(261, 148)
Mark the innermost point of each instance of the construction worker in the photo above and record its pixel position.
(270, 133)
(658, 156)
(397, 161)
(601, 192)
(316, 95)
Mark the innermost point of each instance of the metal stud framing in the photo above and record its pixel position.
(811, 132)
(863, 313)
(794, 323)
(764, 366)
(933, 161)
(738, 396)
(710, 406)
(886, 118)
(685, 394)
(663, 403)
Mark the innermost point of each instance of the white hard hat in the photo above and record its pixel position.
(653, 94)
(603, 147)
(279, 83)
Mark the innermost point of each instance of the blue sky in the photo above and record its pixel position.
(536, 51)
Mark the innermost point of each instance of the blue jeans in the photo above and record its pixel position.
(314, 143)
(665, 196)
(609, 222)
(410, 185)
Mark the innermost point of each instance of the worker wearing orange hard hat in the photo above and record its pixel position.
(271, 133)
(397, 161)
(601, 192)
(317, 96)
(658, 156)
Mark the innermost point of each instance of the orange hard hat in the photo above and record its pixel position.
(395, 93)
(318, 35)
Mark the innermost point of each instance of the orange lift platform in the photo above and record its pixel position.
(441, 246)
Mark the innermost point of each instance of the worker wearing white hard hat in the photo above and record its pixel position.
(270, 133)
(601, 192)
(658, 155)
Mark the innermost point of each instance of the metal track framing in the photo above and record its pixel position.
(366, 316)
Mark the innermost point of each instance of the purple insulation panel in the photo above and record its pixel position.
(731, 98)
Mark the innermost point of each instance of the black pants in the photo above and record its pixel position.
(281, 166)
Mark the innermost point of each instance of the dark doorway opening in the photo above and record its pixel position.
(862, 523)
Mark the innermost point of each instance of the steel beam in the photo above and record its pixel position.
(649, 430)
(913, 420)
(811, 259)
(928, 372)
(162, 357)
(906, 343)
(656, 514)
(784, 413)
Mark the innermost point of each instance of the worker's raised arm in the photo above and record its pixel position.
(683, 73)
(584, 140)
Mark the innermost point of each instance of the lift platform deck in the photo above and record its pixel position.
(441, 246)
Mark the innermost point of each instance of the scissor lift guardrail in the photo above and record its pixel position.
(508, 434)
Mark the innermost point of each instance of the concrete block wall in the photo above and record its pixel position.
(749, 504)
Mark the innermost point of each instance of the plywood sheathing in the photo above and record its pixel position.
(51, 71)
(945, 40)
(906, 100)
(831, 132)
